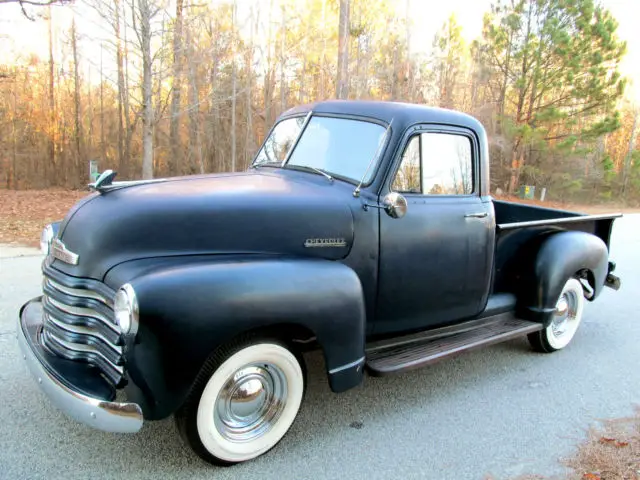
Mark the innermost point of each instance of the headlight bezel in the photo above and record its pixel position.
(126, 309)
(46, 238)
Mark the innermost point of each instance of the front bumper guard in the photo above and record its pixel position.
(612, 281)
(99, 413)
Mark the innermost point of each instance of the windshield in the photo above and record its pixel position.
(338, 146)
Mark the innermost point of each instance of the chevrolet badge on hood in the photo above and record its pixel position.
(324, 242)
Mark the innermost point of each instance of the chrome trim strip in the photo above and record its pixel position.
(347, 366)
(83, 312)
(79, 350)
(558, 221)
(121, 417)
(76, 282)
(77, 292)
(80, 330)
(112, 337)
(60, 251)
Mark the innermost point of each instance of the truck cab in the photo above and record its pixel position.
(363, 229)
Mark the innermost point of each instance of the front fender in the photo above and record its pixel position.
(559, 257)
(187, 311)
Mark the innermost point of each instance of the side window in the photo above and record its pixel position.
(436, 164)
(446, 164)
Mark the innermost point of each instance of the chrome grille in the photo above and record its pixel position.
(79, 325)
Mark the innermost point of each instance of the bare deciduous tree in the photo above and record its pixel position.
(342, 79)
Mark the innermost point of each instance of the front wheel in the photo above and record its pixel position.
(243, 402)
(565, 322)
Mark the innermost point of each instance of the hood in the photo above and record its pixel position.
(257, 212)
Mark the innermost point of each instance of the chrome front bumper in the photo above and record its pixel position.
(100, 413)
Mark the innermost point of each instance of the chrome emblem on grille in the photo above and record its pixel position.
(59, 251)
(325, 242)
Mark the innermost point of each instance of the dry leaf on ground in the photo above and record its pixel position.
(24, 213)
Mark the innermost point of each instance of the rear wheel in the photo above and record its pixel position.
(565, 322)
(244, 401)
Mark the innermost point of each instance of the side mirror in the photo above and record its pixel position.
(395, 205)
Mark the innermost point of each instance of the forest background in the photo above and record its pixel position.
(176, 87)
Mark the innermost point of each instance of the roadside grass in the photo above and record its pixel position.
(610, 451)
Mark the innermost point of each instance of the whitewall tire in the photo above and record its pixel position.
(244, 401)
(565, 321)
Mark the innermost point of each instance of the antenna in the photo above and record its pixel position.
(356, 192)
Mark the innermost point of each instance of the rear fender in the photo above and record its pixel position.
(187, 311)
(560, 257)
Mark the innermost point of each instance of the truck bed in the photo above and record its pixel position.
(511, 215)
(520, 226)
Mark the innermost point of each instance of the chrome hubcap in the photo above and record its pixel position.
(565, 313)
(250, 402)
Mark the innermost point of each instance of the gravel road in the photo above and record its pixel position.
(500, 412)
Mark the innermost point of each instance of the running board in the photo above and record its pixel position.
(400, 356)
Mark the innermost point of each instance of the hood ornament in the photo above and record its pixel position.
(105, 182)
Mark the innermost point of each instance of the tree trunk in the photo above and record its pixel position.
(128, 124)
(283, 86)
(233, 95)
(628, 158)
(52, 177)
(342, 78)
(303, 73)
(249, 141)
(323, 80)
(214, 111)
(518, 157)
(410, 75)
(121, 89)
(195, 148)
(88, 144)
(103, 143)
(147, 89)
(11, 175)
(268, 78)
(76, 102)
(176, 90)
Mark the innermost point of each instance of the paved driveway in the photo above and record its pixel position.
(502, 411)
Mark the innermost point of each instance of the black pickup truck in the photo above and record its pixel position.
(364, 229)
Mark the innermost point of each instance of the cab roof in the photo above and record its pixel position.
(404, 114)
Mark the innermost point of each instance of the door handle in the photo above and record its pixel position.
(476, 215)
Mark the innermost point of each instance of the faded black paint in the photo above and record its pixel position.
(213, 256)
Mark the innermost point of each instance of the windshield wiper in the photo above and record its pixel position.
(313, 169)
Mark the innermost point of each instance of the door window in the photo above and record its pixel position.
(436, 164)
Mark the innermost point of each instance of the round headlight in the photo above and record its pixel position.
(125, 306)
(46, 237)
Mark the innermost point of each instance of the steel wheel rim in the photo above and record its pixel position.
(250, 402)
(565, 316)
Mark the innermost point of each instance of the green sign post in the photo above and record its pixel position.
(93, 170)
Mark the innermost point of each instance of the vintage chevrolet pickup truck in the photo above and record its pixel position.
(364, 229)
